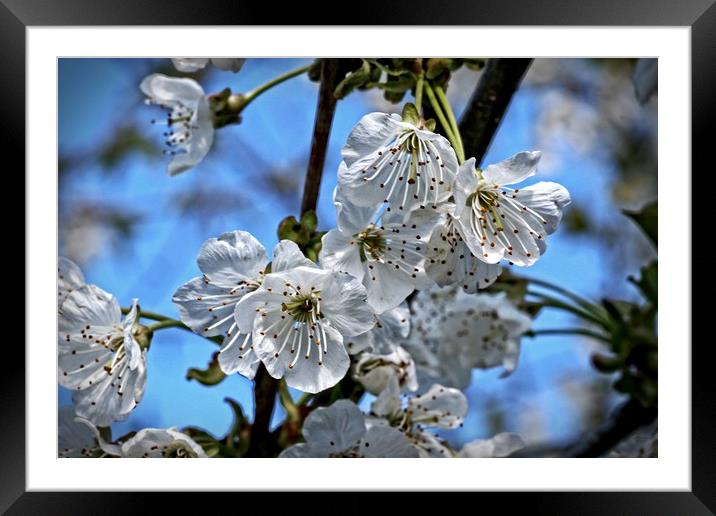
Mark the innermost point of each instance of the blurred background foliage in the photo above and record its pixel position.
(136, 232)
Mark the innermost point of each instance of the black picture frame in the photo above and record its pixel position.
(699, 15)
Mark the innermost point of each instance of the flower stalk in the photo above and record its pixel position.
(238, 102)
(444, 121)
(440, 93)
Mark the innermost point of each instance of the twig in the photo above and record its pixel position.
(321, 131)
(262, 443)
(488, 104)
(627, 418)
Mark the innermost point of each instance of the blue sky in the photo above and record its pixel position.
(98, 96)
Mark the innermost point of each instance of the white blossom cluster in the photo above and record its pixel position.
(410, 218)
(103, 359)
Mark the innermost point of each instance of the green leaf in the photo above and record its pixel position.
(607, 364)
(648, 220)
(475, 64)
(393, 96)
(309, 221)
(397, 85)
(212, 375)
(436, 66)
(430, 124)
(291, 229)
(410, 114)
(353, 80)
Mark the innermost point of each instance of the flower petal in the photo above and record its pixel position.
(465, 185)
(339, 427)
(442, 407)
(386, 288)
(350, 218)
(287, 255)
(205, 307)
(546, 198)
(74, 438)
(341, 252)
(199, 142)
(69, 278)
(513, 170)
(190, 64)
(161, 443)
(311, 372)
(169, 90)
(373, 131)
(114, 396)
(386, 442)
(343, 302)
(305, 451)
(236, 356)
(387, 404)
(91, 305)
(233, 257)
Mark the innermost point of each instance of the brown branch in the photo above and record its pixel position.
(488, 104)
(625, 420)
(262, 443)
(321, 131)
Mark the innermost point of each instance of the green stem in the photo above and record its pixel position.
(443, 121)
(440, 93)
(568, 331)
(169, 323)
(249, 96)
(304, 398)
(287, 402)
(149, 315)
(556, 303)
(584, 303)
(419, 93)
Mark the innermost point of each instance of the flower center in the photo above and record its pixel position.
(304, 307)
(179, 126)
(371, 242)
(179, 450)
(486, 200)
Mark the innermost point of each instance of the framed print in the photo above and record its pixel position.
(432, 235)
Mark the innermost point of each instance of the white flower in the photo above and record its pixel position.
(501, 445)
(69, 278)
(391, 327)
(99, 356)
(299, 318)
(450, 260)
(439, 407)
(75, 436)
(393, 161)
(454, 332)
(190, 126)
(232, 266)
(374, 371)
(498, 222)
(78, 437)
(193, 64)
(160, 443)
(340, 431)
(388, 256)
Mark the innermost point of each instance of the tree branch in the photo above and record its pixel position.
(488, 104)
(321, 131)
(262, 443)
(626, 419)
